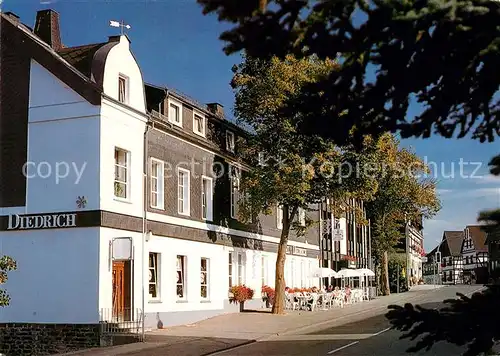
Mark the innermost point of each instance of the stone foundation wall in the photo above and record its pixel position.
(46, 339)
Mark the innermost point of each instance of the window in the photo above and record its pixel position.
(230, 141)
(264, 270)
(175, 112)
(157, 181)
(230, 269)
(206, 198)
(302, 275)
(279, 217)
(302, 217)
(198, 124)
(121, 173)
(241, 269)
(181, 277)
(154, 289)
(204, 278)
(292, 274)
(235, 186)
(122, 89)
(183, 192)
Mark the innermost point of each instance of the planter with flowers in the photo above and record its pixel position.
(349, 258)
(240, 294)
(268, 296)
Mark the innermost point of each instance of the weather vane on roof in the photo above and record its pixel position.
(119, 24)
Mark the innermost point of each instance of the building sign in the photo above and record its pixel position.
(299, 251)
(293, 250)
(337, 235)
(43, 221)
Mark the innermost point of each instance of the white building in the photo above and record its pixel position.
(99, 208)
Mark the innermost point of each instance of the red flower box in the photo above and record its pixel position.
(240, 294)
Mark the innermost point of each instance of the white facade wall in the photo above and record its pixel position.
(57, 276)
(63, 146)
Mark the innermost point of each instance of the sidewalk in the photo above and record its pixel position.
(232, 330)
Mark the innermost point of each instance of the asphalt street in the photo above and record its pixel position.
(371, 336)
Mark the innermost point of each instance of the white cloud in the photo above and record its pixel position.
(488, 179)
(444, 191)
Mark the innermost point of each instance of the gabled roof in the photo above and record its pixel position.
(81, 57)
(478, 237)
(26, 45)
(453, 244)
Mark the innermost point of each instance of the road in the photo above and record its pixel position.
(371, 336)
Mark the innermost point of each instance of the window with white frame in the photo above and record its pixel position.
(157, 182)
(183, 195)
(121, 185)
(175, 112)
(122, 89)
(154, 286)
(205, 278)
(181, 277)
(279, 217)
(302, 217)
(198, 124)
(230, 265)
(292, 274)
(264, 270)
(235, 186)
(230, 141)
(302, 275)
(241, 268)
(309, 281)
(206, 198)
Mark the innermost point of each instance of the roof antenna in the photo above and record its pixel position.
(119, 24)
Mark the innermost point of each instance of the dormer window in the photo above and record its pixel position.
(230, 141)
(175, 112)
(198, 124)
(123, 89)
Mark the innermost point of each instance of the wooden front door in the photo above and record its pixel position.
(119, 291)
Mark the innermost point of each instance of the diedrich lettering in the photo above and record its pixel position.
(23, 222)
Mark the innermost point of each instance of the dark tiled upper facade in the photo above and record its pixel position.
(179, 147)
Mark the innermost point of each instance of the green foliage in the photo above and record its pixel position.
(289, 169)
(492, 217)
(442, 54)
(465, 321)
(7, 264)
(397, 266)
(404, 194)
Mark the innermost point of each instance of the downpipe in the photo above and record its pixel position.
(144, 227)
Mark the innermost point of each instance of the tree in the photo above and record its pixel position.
(404, 194)
(289, 169)
(441, 54)
(492, 217)
(7, 264)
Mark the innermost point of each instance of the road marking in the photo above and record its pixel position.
(343, 347)
(322, 337)
(383, 331)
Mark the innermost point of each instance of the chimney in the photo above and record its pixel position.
(47, 28)
(217, 109)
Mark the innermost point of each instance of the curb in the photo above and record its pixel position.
(248, 342)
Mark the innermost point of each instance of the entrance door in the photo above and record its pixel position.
(121, 290)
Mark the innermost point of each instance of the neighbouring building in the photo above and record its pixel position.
(451, 257)
(430, 268)
(119, 199)
(493, 243)
(474, 252)
(345, 242)
(414, 250)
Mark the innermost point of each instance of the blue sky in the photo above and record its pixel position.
(177, 46)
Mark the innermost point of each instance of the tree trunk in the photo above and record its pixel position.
(280, 285)
(386, 289)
